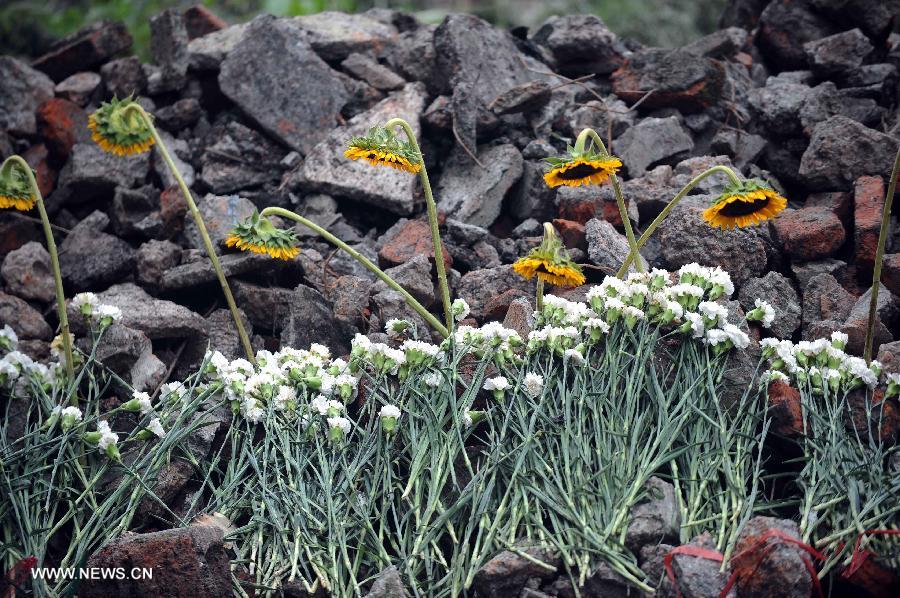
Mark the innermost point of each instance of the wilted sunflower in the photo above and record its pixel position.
(15, 188)
(258, 235)
(381, 147)
(744, 204)
(120, 131)
(550, 262)
(588, 167)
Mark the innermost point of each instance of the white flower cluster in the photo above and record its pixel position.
(16, 366)
(820, 363)
(9, 340)
(690, 302)
(491, 341)
(91, 308)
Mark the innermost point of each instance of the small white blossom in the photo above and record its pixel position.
(110, 312)
(107, 436)
(85, 303)
(533, 384)
(496, 383)
(143, 400)
(156, 427)
(341, 423)
(433, 379)
(389, 411)
(460, 309)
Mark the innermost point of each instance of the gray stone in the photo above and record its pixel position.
(147, 373)
(825, 100)
(280, 82)
(778, 291)
(580, 45)
(136, 211)
(480, 287)
(779, 564)
(169, 47)
(655, 518)
(825, 299)
(803, 272)
(389, 304)
(26, 321)
(240, 158)
(179, 115)
(85, 49)
(784, 26)
(724, 43)
(23, 90)
(207, 53)
(699, 577)
(598, 116)
(531, 198)
(372, 72)
(651, 142)
(472, 194)
(157, 318)
(388, 585)
(220, 215)
(778, 105)
(415, 277)
(841, 150)
(191, 274)
(336, 35)
(350, 297)
(527, 97)
(606, 247)
(191, 557)
(79, 88)
(124, 77)
(839, 53)
(326, 169)
(180, 152)
(26, 272)
(90, 259)
(687, 238)
(90, 170)
(686, 170)
(520, 316)
(508, 573)
(223, 334)
(743, 148)
(267, 308)
(155, 259)
(310, 320)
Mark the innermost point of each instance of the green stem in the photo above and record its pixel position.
(54, 264)
(201, 226)
(620, 200)
(879, 258)
(539, 299)
(435, 323)
(670, 206)
(432, 220)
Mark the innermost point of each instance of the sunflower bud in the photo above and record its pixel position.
(16, 190)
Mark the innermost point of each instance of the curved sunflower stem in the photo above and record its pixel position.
(669, 207)
(18, 161)
(432, 221)
(201, 226)
(410, 300)
(879, 258)
(580, 142)
(539, 298)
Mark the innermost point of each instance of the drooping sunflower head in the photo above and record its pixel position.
(16, 190)
(550, 262)
(382, 147)
(744, 204)
(259, 235)
(587, 167)
(119, 130)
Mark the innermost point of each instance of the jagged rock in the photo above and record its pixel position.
(267, 308)
(26, 321)
(868, 205)
(192, 274)
(389, 304)
(784, 26)
(651, 141)
(580, 45)
(473, 194)
(327, 170)
(405, 240)
(336, 35)
(350, 297)
(526, 97)
(183, 113)
(825, 100)
(687, 238)
(838, 53)
(886, 310)
(778, 291)
(200, 21)
(743, 148)
(26, 272)
(168, 45)
(509, 572)
(388, 585)
(78, 88)
(479, 287)
(414, 276)
(531, 198)
(280, 82)
(809, 233)
(155, 259)
(520, 316)
(778, 106)
(606, 247)
(223, 334)
(805, 271)
(136, 211)
(62, 124)
(124, 77)
(85, 49)
(372, 72)
(206, 53)
(699, 577)
(92, 171)
(724, 43)
(91, 259)
(841, 150)
(220, 215)
(655, 518)
(180, 152)
(824, 299)
(770, 562)
(677, 78)
(240, 158)
(598, 116)
(191, 557)
(23, 90)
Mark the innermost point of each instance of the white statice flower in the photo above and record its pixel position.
(859, 369)
(768, 312)
(108, 313)
(341, 423)
(251, 410)
(389, 415)
(713, 312)
(694, 324)
(773, 375)
(285, 396)
(155, 426)
(614, 304)
(574, 356)
(433, 379)
(839, 339)
(630, 311)
(323, 352)
(8, 371)
(686, 294)
(85, 303)
(320, 404)
(173, 391)
(8, 338)
(721, 283)
(389, 411)
(143, 401)
(612, 287)
(769, 345)
(737, 336)
(467, 419)
(674, 307)
(716, 336)
(533, 384)
(460, 309)
(497, 383)
(68, 416)
(395, 326)
(218, 361)
(107, 436)
(592, 324)
(420, 352)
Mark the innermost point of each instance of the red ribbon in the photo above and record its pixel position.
(689, 550)
(859, 556)
(780, 536)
